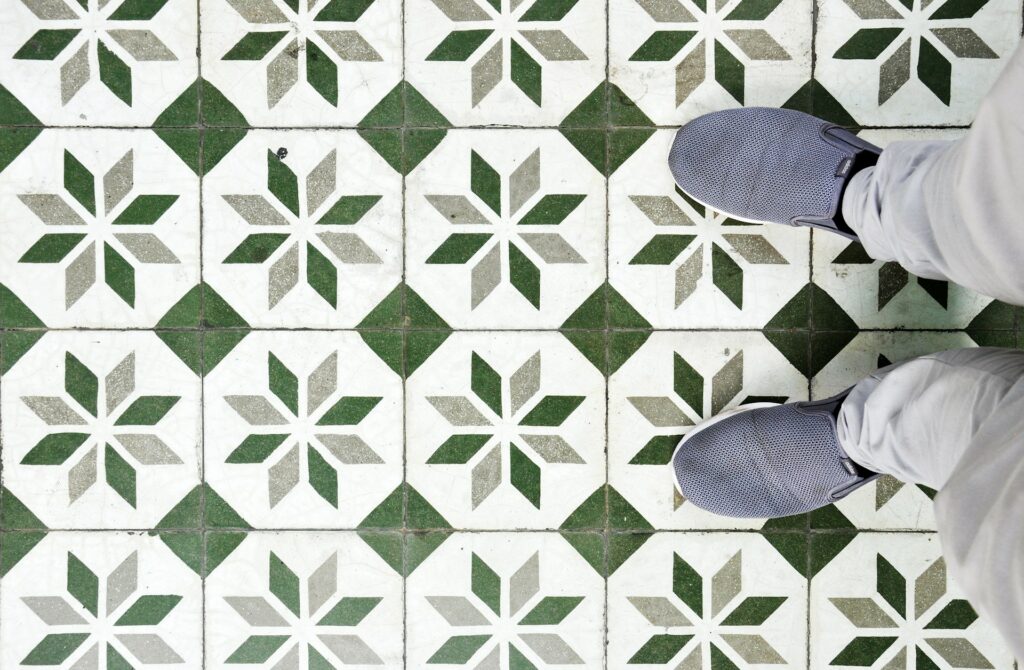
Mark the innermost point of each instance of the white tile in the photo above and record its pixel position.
(524, 253)
(530, 592)
(319, 596)
(100, 430)
(320, 71)
(123, 228)
(506, 430)
(330, 260)
(332, 414)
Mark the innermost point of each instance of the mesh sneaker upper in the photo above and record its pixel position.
(759, 163)
(765, 462)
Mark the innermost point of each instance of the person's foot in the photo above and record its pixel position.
(766, 165)
(766, 460)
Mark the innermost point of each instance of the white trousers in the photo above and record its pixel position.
(954, 421)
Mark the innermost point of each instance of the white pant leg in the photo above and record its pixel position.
(953, 210)
(955, 421)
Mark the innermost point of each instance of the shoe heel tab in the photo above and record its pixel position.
(846, 489)
(846, 139)
(828, 406)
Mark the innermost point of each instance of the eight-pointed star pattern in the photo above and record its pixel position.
(502, 40)
(712, 606)
(878, 619)
(312, 624)
(302, 37)
(517, 417)
(306, 422)
(311, 234)
(494, 238)
(105, 226)
(683, 36)
(93, 39)
(100, 427)
(722, 241)
(481, 626)
(886, 23)
(122, 624)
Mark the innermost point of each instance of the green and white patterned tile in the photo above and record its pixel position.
(303, 62)
(98, 62)
(348, 304)
(505, 229)
(883, 295)
(689, 601)
(505, 600)
(506, 430)
(674, 381)
(101, 228)
(678, 59)
(303, 429)
(871, 350)
(913, 62)
(683, 265)
(484, 62)
(101, 600)
(887, 601)
(100, 429)
(303, 229)
(304, 600)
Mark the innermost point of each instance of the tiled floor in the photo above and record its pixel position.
(357, 333)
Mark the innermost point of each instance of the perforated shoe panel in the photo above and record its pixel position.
(765, 462)
(758, 163)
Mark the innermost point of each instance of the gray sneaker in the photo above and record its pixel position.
(766, 460)
(766, 165)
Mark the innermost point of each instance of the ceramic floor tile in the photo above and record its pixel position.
(305, 229)
(522, 63)
(678, 59)
(100, 430)
(303, 63)
(672, 382)
(869, 351)
(101, 600)
(101, 228)
(304, 600)
(699, 600)
(504, 600)
(98, 63)
(506, 430)
(303, 429)
(359, 333)
(913, 63)
(886, 601)
(505, 229)
(882, 295)
(683, 265)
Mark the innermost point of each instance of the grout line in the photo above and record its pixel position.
(606, 536)
(387, 530)
(810, 343)
(203, 126)
(202, 337)
(499, 331)
(404, 546)
(2, 346)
